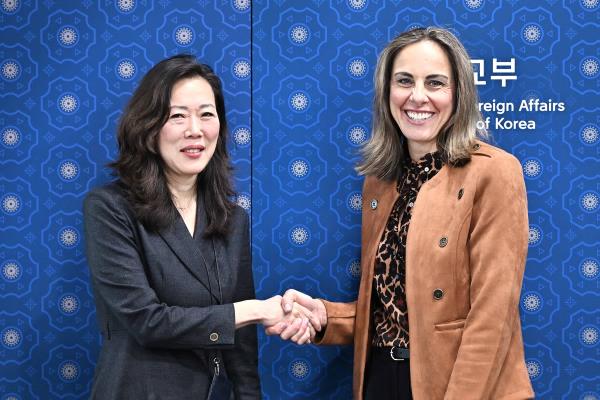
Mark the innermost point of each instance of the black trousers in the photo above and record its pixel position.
(385, 378)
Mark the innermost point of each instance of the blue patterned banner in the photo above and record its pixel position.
(298, 84)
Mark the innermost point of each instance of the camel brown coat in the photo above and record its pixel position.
(468, 238)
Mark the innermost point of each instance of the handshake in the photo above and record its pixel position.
(295, 316)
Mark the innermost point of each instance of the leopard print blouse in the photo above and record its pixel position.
(389, 295)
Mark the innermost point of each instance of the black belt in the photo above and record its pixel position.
(394, 353)
(399, 353)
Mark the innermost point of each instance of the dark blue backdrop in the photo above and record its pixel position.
(67, 69)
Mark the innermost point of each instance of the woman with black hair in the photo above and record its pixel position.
(169, 251)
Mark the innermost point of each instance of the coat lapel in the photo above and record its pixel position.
(206, 251)
(194, 254)
(378, 198)
(220, 271)
(224, 271)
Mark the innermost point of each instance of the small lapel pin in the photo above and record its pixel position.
(374, 203)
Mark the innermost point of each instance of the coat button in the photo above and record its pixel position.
(438, 294)
(443, 241)
(214, 337)
(374, 203)
(460, 193)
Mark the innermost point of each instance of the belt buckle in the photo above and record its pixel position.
(393, 357)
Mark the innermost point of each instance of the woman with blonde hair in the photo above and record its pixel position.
(444, 240)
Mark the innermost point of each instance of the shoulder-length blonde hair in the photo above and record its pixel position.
(384, 153)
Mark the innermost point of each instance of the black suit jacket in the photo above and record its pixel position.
(157, 299)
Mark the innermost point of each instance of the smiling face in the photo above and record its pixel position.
(188, 140)
(421, 94)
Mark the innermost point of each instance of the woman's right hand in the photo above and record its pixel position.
(300, 322)
(292, 300)
(271, 311)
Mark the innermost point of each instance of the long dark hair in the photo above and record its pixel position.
(139, 164)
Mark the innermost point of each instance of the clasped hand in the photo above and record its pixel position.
(294, 316)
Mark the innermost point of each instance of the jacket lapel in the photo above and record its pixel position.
(378, 199)
(187, 249)
(224, 271)
(205, 249)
